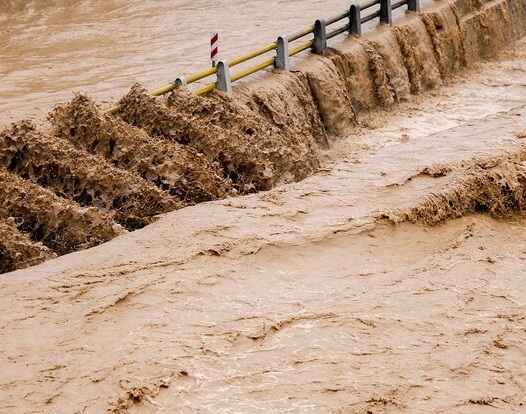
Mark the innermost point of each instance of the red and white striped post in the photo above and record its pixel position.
(214, 46)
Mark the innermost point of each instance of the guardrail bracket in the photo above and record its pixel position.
(180, 82)
(386, 12)
(413, 5)
(355, 20)
(319, 45)
(282, 53)
(224, 82)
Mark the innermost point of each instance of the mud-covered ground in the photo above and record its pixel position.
(388, 280)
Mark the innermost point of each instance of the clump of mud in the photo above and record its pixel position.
(496, 187)
(140, 109)
(486, 27)
(18, 251)
(517, 13)
(61, 225)
(384, 91)
(286, 101)
(177, 169)
(77, 175)
(252, 152)
(385, 43)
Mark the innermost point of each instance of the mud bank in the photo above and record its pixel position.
(186, 149)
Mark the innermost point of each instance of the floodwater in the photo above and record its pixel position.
(391, 280)
(49, 49)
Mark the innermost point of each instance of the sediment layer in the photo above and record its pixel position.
(162, 154)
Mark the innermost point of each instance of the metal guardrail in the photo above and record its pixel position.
(354, 16)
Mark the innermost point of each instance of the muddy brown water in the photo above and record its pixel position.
(336, 293)
(49, 49)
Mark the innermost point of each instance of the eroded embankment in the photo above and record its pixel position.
(162, 154)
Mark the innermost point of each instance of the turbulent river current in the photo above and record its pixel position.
(345, 237)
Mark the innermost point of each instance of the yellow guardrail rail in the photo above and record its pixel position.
(251, 55)
(281, 60)
(301, 48)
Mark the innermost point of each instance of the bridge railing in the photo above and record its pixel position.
(354, 18)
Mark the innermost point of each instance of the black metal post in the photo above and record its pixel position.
(413, 5)
(355, 20)
(385, 12)
(320, 37)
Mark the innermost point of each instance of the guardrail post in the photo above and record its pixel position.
(355, 20)
(413, 5)
(319, 45)
(385, 12)
(282, 55)
(224, 83)
(180, 82)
